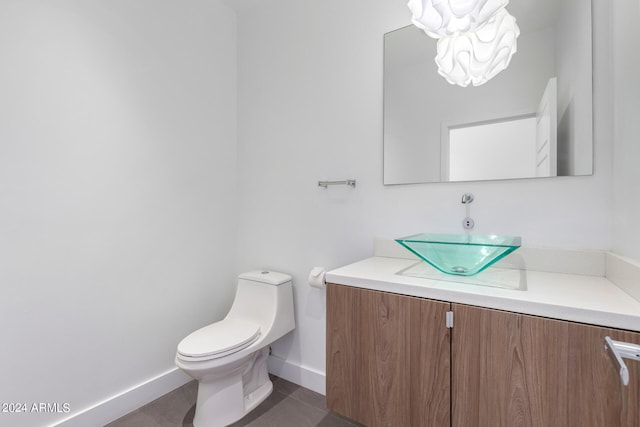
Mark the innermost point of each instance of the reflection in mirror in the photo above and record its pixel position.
(532, 120)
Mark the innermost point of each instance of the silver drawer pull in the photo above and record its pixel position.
(618, 351)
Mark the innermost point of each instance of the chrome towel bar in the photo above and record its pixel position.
(349, 182)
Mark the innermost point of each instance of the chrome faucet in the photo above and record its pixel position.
(468, 223)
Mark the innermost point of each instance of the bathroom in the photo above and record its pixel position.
(153, 150)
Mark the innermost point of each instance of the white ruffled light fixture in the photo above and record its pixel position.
(476, 38)
(476, 57)
(444, 18)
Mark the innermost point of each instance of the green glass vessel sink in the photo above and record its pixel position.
(460, 254)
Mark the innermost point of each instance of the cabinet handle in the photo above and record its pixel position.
(618, 351)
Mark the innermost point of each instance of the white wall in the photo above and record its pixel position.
(310, 108)
(626, 107)
(117, 191)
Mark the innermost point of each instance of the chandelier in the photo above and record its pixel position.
(476, 38)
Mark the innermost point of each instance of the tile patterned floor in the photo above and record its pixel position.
(288, 406)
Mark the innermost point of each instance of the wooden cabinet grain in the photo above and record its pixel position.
(391, 361)
(388, 358)
(515, 370)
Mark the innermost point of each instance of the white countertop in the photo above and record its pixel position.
(587, 299)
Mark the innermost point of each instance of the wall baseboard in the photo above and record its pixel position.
(139, 395)
(129, 400)
(298, 374)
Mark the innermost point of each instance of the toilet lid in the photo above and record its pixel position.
(219, 339)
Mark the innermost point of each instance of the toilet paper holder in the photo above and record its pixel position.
(316, 278)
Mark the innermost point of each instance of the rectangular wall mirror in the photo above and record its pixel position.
(534, 119)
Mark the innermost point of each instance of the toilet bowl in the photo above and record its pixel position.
(229, 358)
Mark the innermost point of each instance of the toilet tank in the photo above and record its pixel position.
(266, 298)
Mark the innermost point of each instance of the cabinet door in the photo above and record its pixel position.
(388, 358)
(517, 370)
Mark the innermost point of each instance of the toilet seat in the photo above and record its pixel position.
(218, 340)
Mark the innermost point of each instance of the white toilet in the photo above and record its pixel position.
(229, 357)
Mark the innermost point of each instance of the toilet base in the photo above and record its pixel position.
(258, 396)
(224, 401)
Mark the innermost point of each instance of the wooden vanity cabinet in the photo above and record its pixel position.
(512, 369)
(391, 361)
(388, 358)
